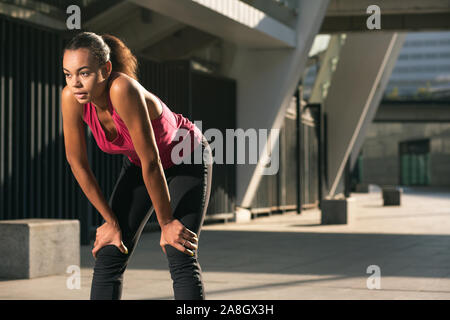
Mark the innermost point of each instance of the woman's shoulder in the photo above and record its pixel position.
(119, 80)
(120, 83)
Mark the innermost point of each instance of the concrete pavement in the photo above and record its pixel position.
(292, 257)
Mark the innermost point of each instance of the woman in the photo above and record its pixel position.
(102, 90)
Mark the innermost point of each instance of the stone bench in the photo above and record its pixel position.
(337, 210)
(32, 248)
(366, 188)
(362, 188)
(391, 195)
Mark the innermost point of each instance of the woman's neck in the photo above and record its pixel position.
(101, 102)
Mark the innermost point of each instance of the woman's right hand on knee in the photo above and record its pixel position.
(174, 233)
(107, 234)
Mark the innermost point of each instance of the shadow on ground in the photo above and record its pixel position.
(343, 254)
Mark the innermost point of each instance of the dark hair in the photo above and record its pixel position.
(106, 47)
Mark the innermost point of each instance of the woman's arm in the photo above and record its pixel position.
(131, 106)
(76, 155)
(128, 98)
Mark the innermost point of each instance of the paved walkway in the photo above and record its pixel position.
(292, 256)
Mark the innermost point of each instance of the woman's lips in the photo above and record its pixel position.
(80, 95)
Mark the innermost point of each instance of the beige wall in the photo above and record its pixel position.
(381, 155)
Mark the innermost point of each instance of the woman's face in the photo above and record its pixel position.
(83, 76)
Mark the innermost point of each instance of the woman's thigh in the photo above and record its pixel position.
(190, 188)
(187, 199)
(131, 203)
(190, 192)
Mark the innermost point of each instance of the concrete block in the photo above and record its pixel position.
(32, 248)
(391, 195)
(366, 188)
(362, 188)
(243, 215)
(337, 211)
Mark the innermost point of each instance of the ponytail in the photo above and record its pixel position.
(121, 57)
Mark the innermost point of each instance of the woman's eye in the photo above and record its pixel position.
(85, 74)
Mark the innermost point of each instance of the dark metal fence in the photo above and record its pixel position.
(214, 104)
(279, 192)
(310, 160)
(297, 185)
(35, 179)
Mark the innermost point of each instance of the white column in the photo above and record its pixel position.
(266, 81)
(365, 64)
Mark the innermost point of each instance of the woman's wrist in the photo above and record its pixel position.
(166, 222)
(114, 223)
(112, 220)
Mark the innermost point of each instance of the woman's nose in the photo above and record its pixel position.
(75, 82)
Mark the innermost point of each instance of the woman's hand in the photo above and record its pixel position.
(174, 233)
(108, 233)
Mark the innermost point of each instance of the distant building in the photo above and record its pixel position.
(422, 68)
(405, 152)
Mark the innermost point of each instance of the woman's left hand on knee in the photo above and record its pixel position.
(174, 233)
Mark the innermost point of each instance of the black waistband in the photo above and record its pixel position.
(205, 154)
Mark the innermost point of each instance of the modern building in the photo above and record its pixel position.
(423, 67)
(408, 143)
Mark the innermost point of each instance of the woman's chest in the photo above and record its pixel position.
(109, 127)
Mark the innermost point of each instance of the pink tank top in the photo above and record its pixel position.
(165, 128)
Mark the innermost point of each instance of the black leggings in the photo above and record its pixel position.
(189, 188)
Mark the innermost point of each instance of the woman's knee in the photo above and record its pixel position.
(182, 265)
(177, 258)
(110, 262)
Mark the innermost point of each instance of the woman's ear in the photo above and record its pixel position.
(107, 69)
